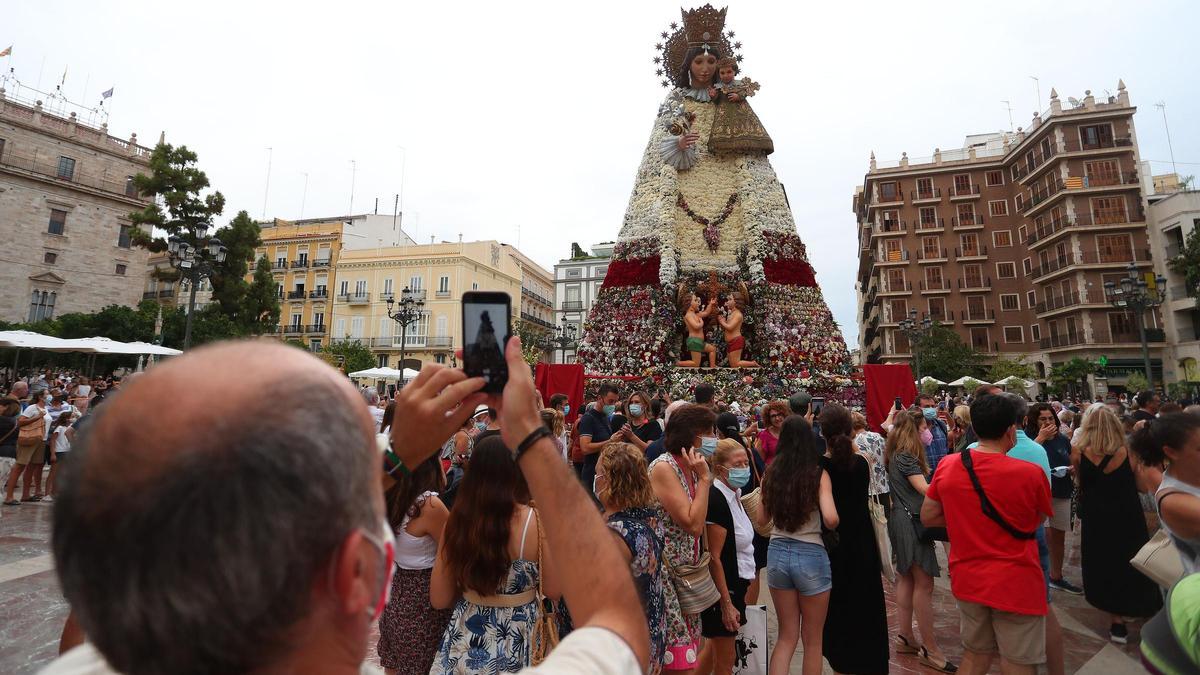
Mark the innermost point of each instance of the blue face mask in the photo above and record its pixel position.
(930, 413)
(567, 409)
(708, 445)
(739, 476)
(609, 410)
(482, 426)
(635, 409)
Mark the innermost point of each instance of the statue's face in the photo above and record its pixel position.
(703, 67)
(730, 303)
(726, 74)
(695, 302)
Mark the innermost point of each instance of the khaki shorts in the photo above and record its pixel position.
(29, 454)
(1061, 520)
(1020, 638)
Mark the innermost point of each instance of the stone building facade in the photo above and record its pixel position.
(66, 192)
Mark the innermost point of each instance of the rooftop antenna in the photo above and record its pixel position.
(1008, 107)
(1162, 105)
(267, 189)
(353, 173)
(1039, 91)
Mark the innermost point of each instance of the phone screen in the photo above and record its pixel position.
(817, 404)
(897, 403)
(485, 331)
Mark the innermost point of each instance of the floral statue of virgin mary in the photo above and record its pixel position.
(706, 218)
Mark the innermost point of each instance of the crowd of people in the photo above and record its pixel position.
(491, 540)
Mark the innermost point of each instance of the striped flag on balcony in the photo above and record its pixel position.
(893, 256)
(1073, 183)
(6, 51)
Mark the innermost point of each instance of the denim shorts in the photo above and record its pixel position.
(798, 566)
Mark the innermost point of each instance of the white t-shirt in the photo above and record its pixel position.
(377, 414)
(34, 411)
(586, 651)
(61, 442)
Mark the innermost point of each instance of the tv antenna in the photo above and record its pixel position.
(1162, 105)
(1008, 107)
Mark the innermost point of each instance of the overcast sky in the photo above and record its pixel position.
(498, 116)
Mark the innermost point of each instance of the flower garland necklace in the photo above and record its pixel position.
(712, 233)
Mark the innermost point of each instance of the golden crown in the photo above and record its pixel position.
(702, 27)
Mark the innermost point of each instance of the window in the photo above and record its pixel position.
(1114, 248)
(1035, 332)
(1013, 171)
(381, 360)
(120, 270)
(386, 326)
(928, 216)
(893, 251)
(937, 309)
(897, 309)
(1027, 266)
(416, 284)
(962, 184)
(1, 148)
(979, 339)
(1096, 136)
(573, 273)
(387, 286)
(601, 270)
(1010, 302)
(1031, 299)
(49, 258)
(973, 276)
(360, 287)
(966, 214)
(344, 288)
(439, 358)
(42, 305)
(302, 257)
(319, 320)
(994, 178)
(895, 280)
(933, 278)
(314, 345)
(417, 331)
(899, 342)
(969, 244)
(474, 285)
(66, 168)
(130, 187)
(1119, 324)
(356, 325)
(1006, 270)
(1108, 210)
(1002, 238)
(324, 253)
(1014, 334)
(58, 221)
(443, 285)
(998, 207)
(1019, 201)
(930, 247)
(572, 293)
(441, 325)
(889, 192)
(924, 188)
(1103, 172)
(1022, 234)
(123, 240)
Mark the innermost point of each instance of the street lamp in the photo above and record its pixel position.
(915, 330)
(1135, 296)
(409, 311)
(565, 337)
(194, 262)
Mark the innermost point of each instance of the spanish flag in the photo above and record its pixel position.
(7, 51)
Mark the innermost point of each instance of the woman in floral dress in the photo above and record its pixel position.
(623, 488)
(680, 479)
(488, 569)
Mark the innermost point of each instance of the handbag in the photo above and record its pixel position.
(752, 502)
(544, 637)
(882, 541)
(1159, 560)
(30, 434)
(925, 535)
(750, 649)
(694, 584)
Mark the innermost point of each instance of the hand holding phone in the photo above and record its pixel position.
(897, 404)
(486, 322)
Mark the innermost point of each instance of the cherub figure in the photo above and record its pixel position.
(735, 126)
(693, 320)
(731, 323)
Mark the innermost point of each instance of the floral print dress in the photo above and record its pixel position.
(491, 639)
(679, 548)
(642, 531)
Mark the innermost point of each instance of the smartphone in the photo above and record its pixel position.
(897, 404)
(486, 327)
(818, 402)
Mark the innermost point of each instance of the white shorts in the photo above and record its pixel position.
(1061, 520)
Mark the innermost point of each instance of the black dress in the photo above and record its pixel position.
(856, 628)
(1113, 530)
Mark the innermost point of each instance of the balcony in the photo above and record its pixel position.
(439, 342)
(300, 264)
(355, 298)
(1119, 258)
(525, 316)
(1048, 230)
(572, 306)
(930, 195)
(979, 284)
(319, 294)
(1104, 337)
(1064, 340)
(886, 199)
(43, 165)
(933, 225)
(1182, 293)
(942, 318)
(964, 192)
(315, 328)
(387, 295)
(294, 329)
(971, 222)
(940, 286)
(166, 293)
(896, 288)
(1068, 301)
(279, 266)
(321, 262)
(932, 256)
(1075, 145)
(1117, 216)
(891, 257)
(1035, 160)
(1040, 194)
(889, 227)
(977, 315)
(440, 294)
(297, 295)
(1110, 180)
(970, 253)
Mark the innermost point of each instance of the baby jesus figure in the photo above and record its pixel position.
(735, 126)
(731, 324)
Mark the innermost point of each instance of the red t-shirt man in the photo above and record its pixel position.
(988, 565)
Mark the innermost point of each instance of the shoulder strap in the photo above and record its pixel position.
(528, 517)
(986, 505)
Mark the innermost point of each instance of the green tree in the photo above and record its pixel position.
(531, 338)
(1136, 382)
(176, 183)
(259, 309)
(1187, 262)
(230, 288)
(930, 387)
(352, 354)
(1071, 376)
(945, 356)
(1003, 368)
(971, 384)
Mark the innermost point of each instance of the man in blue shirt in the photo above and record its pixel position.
(595, 429)
(940, 446)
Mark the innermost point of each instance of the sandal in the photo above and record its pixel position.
(12, 502)
(945, 667)
(35, 498)
(903, 646)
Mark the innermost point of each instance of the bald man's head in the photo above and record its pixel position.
(204, 507)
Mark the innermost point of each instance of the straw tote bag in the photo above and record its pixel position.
(752, 502)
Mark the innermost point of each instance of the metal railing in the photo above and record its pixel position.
(890, 226)
(296, 295)
(902, 287)
(972, 252)
(964, 191)
(974, 220)
(1062, 302)
(572, 305)
(315, 328)
(897, 198)
(47, 168)
(300, 264)
(354, 298)
(319, 294)
(942, 285)
(983, 283)
(890, 256)
(935, 255)
(975, 314)
(932, 193)
(1075, 145)
(935, 224)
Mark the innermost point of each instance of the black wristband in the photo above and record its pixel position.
(533, 437)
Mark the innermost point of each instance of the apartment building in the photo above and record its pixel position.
(437, 274)
(66, 192)
(537, 307)
(172, 293)
(1010, 239)
(577, 282)
(1174, 215)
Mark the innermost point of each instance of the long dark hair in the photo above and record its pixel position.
(1173, 429)
(686, 423)
(404, 498)
(476, 535)
(837, 427)
(1031, 418)
(792, 482)
(684, 77)
(389, 413)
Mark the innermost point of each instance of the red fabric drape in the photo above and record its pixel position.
(884, 384)
(561, 378)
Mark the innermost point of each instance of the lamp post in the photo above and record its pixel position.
(1133, 294)
(195, 261)
(408, 311)
(565, 337)
(915, 330)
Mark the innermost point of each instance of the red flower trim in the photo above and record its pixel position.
(635, 272)
(790, 272)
